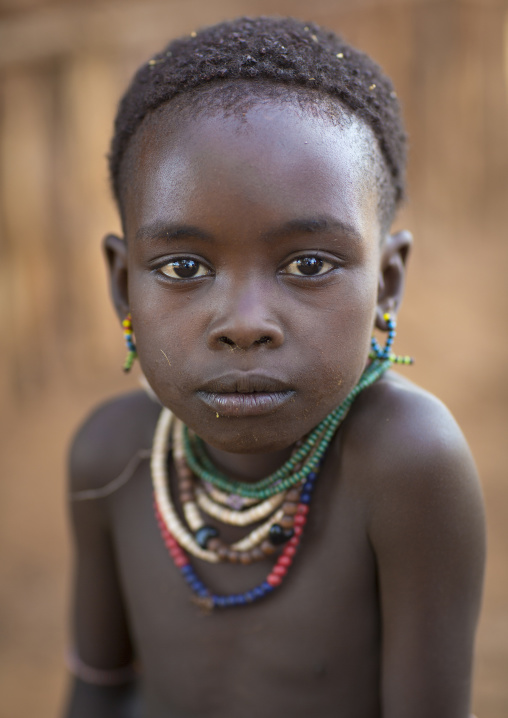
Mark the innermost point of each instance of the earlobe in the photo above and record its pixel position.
(115, 250)
(394, 254)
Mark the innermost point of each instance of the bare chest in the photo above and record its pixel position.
(309, 648)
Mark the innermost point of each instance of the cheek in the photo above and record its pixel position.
(164, 335)
(341, 339)
(337, 364)
(164, 351)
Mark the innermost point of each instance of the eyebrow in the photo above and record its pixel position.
(162, 230)
(314, 225)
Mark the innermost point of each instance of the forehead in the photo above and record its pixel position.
(265, 165)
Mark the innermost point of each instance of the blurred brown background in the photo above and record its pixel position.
(63, 66)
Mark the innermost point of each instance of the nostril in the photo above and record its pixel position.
(227, 340)
(264, 340)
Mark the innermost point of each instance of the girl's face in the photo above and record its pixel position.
(252, 268)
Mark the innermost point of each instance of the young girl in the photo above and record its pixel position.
(279, 525)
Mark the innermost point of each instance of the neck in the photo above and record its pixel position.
(248, 467)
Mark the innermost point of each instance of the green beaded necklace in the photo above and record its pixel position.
(307, 456)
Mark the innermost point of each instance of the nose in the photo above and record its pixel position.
(244, 320)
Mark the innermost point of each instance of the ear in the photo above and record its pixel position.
(392, 271)
(115, 249)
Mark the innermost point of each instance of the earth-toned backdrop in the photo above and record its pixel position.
(63, 65)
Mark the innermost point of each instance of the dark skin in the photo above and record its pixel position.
(377, 615)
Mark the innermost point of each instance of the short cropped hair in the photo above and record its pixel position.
(280, 52)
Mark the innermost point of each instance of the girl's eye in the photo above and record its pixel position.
(308, 266)
(185, 268)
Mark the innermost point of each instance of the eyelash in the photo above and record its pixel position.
(313, 258)
(297, 262)
(181, 260)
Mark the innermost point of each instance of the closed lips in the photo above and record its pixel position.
(245, 383)
(245, 394)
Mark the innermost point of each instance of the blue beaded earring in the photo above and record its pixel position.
(384, 353)
(131, 347)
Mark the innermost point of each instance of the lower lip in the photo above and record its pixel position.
(254, 404)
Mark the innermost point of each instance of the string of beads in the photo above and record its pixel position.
(129, 340)
(202, 540)
(385, 353)
(209, 600)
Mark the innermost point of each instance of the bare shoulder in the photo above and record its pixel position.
(413, 473)
(411, 457)
(109, 438)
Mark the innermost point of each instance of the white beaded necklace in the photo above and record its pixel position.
(167, 510)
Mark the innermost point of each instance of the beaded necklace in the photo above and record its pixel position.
(286, 495)
(203, 541)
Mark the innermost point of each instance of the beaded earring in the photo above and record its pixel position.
(379, 352)
(131, 347)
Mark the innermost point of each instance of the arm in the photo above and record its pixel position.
(88, 700)
(102, 659)
(103, 684)
(428, 534)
